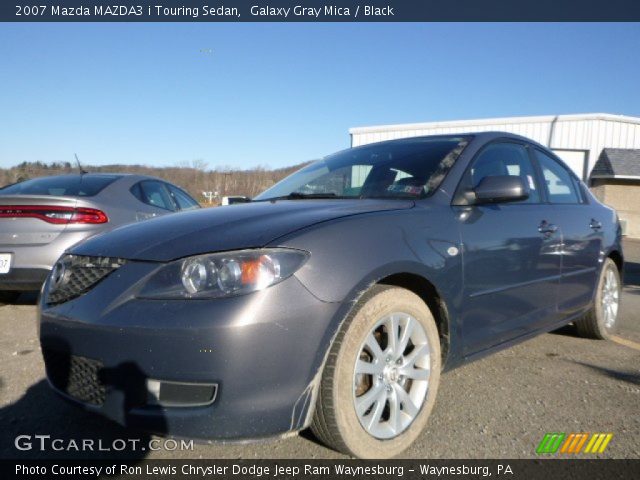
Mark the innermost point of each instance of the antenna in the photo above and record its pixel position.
(82, 170)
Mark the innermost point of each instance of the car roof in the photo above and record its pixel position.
(481, 136)
(117, 176)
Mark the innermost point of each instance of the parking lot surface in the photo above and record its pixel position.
(498, 407)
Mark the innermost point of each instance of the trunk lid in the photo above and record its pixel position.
(18, 229)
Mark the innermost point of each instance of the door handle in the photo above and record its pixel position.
(547, 228)
(595, 225)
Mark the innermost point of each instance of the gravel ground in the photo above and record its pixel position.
(498, 407)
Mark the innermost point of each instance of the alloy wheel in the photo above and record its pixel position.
(391, 375)
(610, 298)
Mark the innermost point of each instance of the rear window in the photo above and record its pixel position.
(75, 186)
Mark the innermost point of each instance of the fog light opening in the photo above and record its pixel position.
(180, 394)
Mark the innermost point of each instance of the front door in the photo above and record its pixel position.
(511, 255)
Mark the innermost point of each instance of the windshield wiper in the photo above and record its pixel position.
(305, 196)
(301, 195)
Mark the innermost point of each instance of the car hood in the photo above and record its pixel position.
(234, 227)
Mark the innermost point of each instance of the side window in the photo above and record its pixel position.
(153, 193)
(579, 186)
(560, 184)
(136, 191)
(182, 199)
(505, 159)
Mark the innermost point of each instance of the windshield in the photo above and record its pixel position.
(413, 168)
(73, 185)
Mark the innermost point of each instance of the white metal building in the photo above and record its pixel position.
(577, 139)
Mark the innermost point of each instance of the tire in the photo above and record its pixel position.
(336, 422)
(597, 322)
(8, 296)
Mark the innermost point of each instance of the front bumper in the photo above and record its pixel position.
(263, 352)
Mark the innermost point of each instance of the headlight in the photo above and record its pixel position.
(223, 274)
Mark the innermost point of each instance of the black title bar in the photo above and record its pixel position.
(542, 469)
(320, 11)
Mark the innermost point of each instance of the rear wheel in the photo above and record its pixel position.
(8, 296)
(381, 377)
(601, 321)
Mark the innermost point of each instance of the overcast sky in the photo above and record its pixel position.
(278, 94)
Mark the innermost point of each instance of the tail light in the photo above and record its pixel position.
(54, 214)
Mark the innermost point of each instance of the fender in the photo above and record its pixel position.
(308, 398)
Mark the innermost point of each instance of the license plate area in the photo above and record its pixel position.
(5, 262)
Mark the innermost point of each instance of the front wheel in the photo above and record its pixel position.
(380, 380)
(601, 321)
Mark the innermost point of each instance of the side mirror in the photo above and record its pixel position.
(501, 188)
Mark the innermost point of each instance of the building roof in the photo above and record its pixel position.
(497, 121)
(617, 163)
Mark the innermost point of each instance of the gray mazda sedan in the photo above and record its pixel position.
(334, 299)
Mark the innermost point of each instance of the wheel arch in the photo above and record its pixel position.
(408, 275)
(617, 258)
(429, 294)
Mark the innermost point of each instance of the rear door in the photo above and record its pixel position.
(510, 254)
(581, 230)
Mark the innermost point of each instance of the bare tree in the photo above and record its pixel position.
(194, 176)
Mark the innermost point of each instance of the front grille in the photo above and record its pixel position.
(78, 377)
(74, 275)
